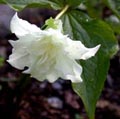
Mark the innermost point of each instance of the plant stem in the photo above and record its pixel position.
(62, 12)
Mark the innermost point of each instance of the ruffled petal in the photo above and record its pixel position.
(76, 50)
(69, 69)
(20, 56)
(21, 27)
(52, 76)
(20, 60)
(41, 68)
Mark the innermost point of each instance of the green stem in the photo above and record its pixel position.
(62, 12)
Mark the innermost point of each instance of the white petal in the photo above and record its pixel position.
(21, 27)
(77, 50)
(69, 69)
(42, 68)
(19, 56)
(77, 69)
(90, 52)
(20, 52)
(19, 60)
(59, 25)
(52, 76)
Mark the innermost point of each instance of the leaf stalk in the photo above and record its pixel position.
(62, 12)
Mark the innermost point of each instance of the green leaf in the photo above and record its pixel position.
(114, 5)
(1, 61)
(1, 2)
(55, 4)
(91, 32)
(94, 8)
(114, 22)
(74, 2)
(20, 4)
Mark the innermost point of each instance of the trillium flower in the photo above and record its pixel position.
(48, 54)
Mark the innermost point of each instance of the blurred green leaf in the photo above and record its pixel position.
(114, 5)
(0, 87)
(94, 8)
(55, 4)
(74, 2)
(1, 2)
(20, 4)
(91, 33)
(1, 61)
(78, 117)
(114, 22)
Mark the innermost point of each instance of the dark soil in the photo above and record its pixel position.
(42, 100)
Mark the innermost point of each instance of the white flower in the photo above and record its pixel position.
(48, 54)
